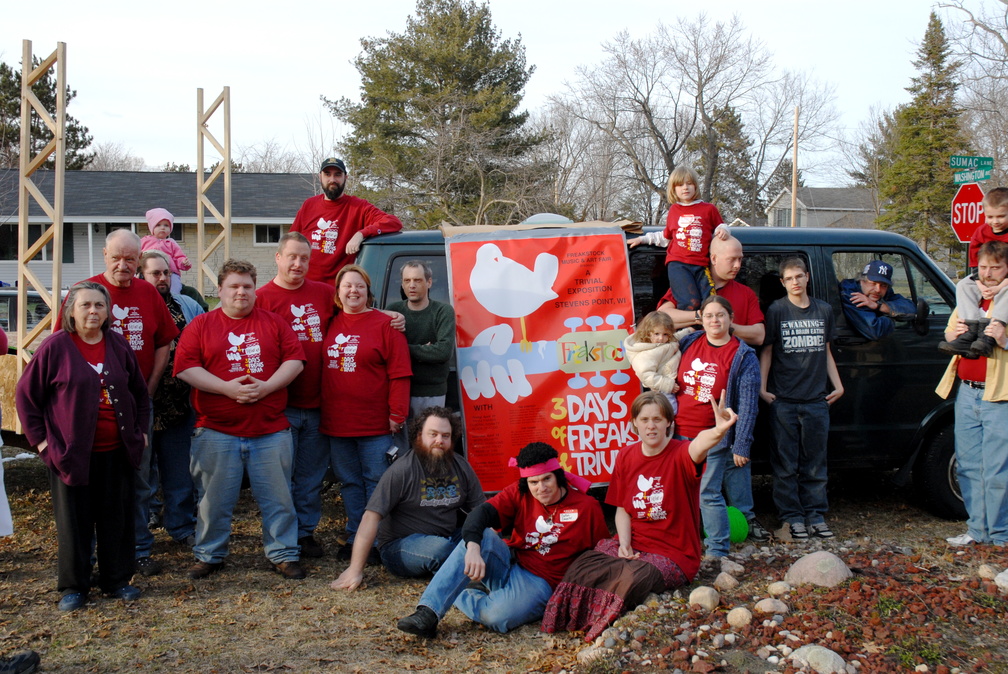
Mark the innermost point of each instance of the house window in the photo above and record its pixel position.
(9, 242)
(782, 218)
(267, 235)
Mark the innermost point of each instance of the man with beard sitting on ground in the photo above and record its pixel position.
(414, 511)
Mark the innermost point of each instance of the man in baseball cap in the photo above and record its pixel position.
(869, 302)
(335, 223)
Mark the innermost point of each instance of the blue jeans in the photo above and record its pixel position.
(358, 463)
(218, 461)
(738, 487)
(981, 448)
(418, 554)
(516, 596)
(141, 511)
(798, 460)
(311, 461)
(689, 283)
(171, 447)
(712, 503)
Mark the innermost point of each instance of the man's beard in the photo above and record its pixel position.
(333, 193)
(435, 465)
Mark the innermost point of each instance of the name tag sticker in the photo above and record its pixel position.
(569, 516)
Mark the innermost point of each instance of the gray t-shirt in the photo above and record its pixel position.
(800, 338)
(409, 502)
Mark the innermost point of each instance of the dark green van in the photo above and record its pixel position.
(889, 419)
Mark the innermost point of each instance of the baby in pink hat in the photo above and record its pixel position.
(160, 222)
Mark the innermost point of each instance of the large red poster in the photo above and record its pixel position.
(541, 319)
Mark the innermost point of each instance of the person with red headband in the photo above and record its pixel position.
(655, 487)
(551, 523)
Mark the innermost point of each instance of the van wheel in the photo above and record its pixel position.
(935, 479)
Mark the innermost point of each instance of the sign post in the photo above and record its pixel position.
(967, 211)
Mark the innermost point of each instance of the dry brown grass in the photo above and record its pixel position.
(247, 618)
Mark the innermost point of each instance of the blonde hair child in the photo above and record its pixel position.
(690, 226)
(653, 352)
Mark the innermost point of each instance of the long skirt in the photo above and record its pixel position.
(599, 586)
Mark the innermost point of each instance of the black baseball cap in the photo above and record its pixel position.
(332, 161)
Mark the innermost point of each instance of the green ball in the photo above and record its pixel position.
(738, 527)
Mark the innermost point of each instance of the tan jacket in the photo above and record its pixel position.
(997, 372)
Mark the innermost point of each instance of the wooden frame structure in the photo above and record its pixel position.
(204, 182)
(28, 191)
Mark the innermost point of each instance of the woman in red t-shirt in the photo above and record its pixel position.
(83, 403)
(365, 392)
(655, 487)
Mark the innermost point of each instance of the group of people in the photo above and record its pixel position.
(139, 388)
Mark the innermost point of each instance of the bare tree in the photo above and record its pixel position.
(269, 156)
(982, 38)
(650, 96)
(114, 156)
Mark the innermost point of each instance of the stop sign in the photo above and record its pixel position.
(967, 211)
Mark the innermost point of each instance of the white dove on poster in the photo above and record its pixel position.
(509, 289)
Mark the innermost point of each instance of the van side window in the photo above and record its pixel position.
(760, 271)
(393, 284)
(649, 278)
(909, 280)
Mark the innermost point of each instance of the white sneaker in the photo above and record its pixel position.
(960, 540)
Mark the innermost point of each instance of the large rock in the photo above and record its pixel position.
(819, 568)
(706, 597)
(770, 605)
(739, 617)
(819, 659)
(725, 582)
(1001, 580)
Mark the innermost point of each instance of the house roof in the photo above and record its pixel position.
(829, 199)
(124, 196)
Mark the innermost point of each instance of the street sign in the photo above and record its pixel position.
(973, 176)
(967, 211)
(963, 163)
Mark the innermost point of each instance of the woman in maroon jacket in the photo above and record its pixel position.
(83, 403)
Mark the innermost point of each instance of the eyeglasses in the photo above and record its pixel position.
(721, 316)
(792, 279)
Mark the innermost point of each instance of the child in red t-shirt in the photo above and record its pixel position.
(688, 232)
(974, 343)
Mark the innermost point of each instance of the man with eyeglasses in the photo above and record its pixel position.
(796, 371)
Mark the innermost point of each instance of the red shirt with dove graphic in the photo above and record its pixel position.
(308, 310)
(106, 437)
(547, 539)
(689, 229)
(230, 348)
(140, 315)
(662, 496)
(702, 376)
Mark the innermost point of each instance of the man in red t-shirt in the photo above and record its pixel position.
(726, 262)
(239, 359)
(307, 306)
(335, 223)
(140, 315)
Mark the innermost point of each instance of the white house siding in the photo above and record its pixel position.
(73, 272)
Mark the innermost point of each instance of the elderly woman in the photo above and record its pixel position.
(83, 403)
(365, 392)
(714, 362)
(655, 487)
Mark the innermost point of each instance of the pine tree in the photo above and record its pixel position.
(916, 187)
(732, 184)
(438, 133)
(78, 140)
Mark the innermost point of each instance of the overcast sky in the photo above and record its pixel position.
(136, 66)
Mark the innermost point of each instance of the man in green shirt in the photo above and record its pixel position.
(430, 332)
